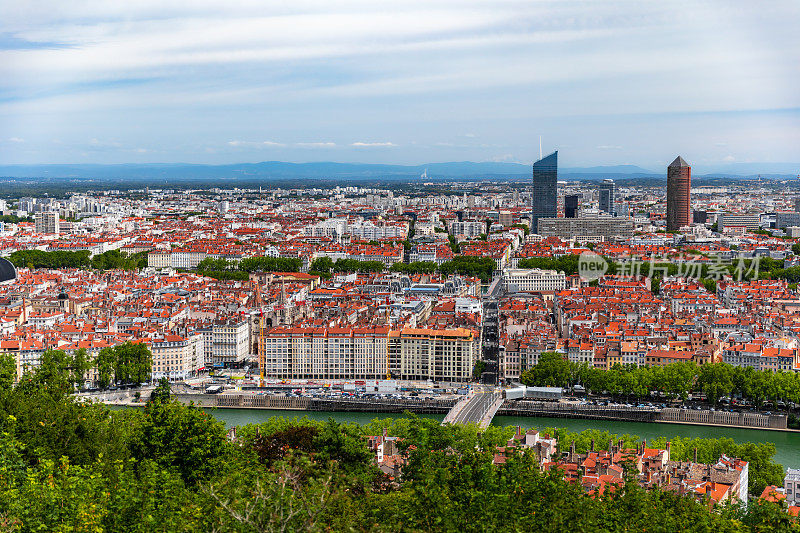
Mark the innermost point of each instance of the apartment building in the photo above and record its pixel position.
(438, 355)
(177, 358)
(791, 486)
(368, 353)
(324, 353)
(468, 228)
(226, 343)
(47, 222)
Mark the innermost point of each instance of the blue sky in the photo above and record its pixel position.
(604, 82)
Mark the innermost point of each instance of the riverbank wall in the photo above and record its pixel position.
(255, 401)
(509, 408)
(637, 414)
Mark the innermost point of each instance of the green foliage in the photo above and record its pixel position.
(14, 219)
(178, 437)
(168, 467)
(480, 367)
(796, 248)
(523, 227)
(271, 264)
(416, 267)
(567, 264)
(676, 380)
(469, 265)
(454, 244)
(710, 285)
(162, 392)
(114, 259)
(111, 259)
(8, 371)
(325, 266)
(58, 372)
(763, 469)
(222, 269)
(123, 364)
(58, 259)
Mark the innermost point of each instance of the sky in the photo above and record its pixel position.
(411, 82)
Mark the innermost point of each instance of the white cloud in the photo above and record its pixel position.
(316, 145)
(255, 144)
(16, 140)
(105, 143)
(729, 158)
(204, 71)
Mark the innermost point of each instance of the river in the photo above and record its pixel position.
(787, 444)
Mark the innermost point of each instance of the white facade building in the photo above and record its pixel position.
(533, 280)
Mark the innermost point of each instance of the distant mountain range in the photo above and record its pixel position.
(279, 170)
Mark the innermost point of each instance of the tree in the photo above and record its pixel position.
(125, 363)
(181, 437)
(552, 370)
(105, 367)
(715, 380)
(162, 391)
(321, 265)
(8, 371)
(54, 373)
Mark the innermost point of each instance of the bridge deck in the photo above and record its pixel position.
(478, 407)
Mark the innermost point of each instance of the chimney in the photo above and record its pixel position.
(591, 446)
(610, 445)
(572, 448)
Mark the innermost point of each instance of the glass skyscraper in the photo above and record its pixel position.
(607, 193)
(545, 190)
(571, 203)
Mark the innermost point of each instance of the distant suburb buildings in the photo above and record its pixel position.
(679, 186)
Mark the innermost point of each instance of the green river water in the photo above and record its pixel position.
(787, 444)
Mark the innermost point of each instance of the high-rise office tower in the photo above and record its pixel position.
(571, 202)
(545, 189)
(607, 194)
(679, 186)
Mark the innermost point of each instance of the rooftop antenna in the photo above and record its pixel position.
(540, 147)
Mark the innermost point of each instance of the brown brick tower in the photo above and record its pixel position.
(679, 186)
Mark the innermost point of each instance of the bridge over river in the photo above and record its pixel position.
(478, 407)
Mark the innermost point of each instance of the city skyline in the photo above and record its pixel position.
(607, 83)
